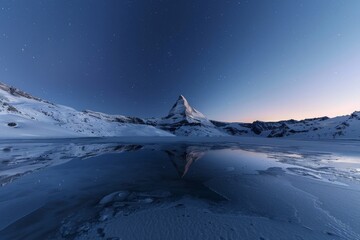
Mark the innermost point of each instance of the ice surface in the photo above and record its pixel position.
(156, 188)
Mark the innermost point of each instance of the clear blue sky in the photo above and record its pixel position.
(233, 60)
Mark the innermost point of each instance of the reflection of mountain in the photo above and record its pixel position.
(183, 156)
(142, 184)
(119, 188)
(21, 158)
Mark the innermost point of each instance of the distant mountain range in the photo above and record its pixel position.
(25, 116)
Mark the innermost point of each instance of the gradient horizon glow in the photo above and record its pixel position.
(232, 60)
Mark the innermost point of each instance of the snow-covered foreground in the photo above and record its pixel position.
(180, 188)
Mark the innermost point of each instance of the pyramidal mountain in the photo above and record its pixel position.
(184, 120)
(182, 111)
(25, 116)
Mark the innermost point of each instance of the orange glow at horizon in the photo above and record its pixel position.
(282, 114)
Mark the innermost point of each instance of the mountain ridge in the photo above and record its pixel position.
(23, 115)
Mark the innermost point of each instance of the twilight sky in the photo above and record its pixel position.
(233, 60)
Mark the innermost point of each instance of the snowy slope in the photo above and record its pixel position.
(182, 111)
(25, 116)
(184, 120)
(344, 127)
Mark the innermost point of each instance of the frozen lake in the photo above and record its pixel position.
(179, 188)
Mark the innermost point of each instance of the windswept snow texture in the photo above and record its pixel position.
(163, 188)
(25, 116)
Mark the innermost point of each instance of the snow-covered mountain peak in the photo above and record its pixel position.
(182, 97)
(25, 116)
(182, 108)
(185, 120)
